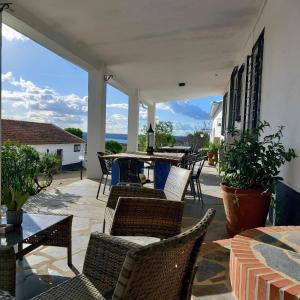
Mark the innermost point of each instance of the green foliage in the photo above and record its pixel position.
(113, 146)
(253, 161)
(199, 138)
(214, 147)
(48, 166)
(74, 131)
(142, 141)
(22, 167)
(163, 135)
(14, 200)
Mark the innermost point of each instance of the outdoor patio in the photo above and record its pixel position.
(47, 266)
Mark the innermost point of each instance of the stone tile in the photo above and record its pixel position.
(79, 199)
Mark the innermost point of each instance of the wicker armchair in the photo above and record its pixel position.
(175, 189)
(117, 269)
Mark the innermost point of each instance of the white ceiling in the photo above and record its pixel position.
(151, 45)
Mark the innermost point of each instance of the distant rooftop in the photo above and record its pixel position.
(215, 108)
(33, 133)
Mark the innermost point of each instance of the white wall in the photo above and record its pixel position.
(216, 129)
(69, 156)
(280, 99)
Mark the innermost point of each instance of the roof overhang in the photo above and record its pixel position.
(148, 45)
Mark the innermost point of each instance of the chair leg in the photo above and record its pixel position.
(110, 184)
(105, 184)
(103, 228)
(193, 189)
(99, 186)
(200, 191)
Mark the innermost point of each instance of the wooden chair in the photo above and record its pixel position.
(175, 189)
(120, 270)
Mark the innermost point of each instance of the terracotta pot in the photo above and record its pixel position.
(210, 156)
(244, 208)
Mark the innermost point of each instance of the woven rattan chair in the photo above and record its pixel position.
(175, 189)
(117, 269)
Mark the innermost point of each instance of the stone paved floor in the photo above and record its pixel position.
(47, 266)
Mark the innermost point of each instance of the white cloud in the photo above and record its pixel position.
(163, 106)
(11, 35)
(44, 104)
(118, 105)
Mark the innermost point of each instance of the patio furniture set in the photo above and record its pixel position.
(115, 268)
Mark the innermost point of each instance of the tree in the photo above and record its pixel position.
(75, 131)
(163, 135)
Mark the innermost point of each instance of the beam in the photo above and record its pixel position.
(133, 122)
(96, 121)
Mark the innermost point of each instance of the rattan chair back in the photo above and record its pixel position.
(102, 163)
(176, 183)
(163, 270)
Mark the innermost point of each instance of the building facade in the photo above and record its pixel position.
(264, 86)
(216, 122)
(46, 138)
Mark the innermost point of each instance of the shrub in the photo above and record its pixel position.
(22, 167)
(113, 146)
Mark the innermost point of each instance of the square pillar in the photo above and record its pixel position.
(133, 122)
(96, 121)
(151, 115)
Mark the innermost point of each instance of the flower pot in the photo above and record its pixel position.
(210, 156)
(14, 217)
(244, 208)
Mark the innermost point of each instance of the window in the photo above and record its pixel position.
(232, 98)
(224, 114)
(253, 113)
(77, 148)
(219, 122)
(238, 93)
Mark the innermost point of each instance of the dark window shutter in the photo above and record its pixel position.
(238, 93)
(224, 114)
(232, 97)
(256, 78)
(247, 93)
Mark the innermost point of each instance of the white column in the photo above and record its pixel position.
(0, 104)
(151, 116)
(133, 122)
(96, 121)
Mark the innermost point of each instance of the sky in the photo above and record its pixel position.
(40, 86)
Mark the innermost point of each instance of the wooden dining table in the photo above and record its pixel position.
(162, 163)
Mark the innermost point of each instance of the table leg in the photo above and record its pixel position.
(70, 255)
(20, 249)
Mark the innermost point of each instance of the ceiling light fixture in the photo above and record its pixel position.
(181, 84)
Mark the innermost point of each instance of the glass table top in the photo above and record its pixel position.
(32, 224)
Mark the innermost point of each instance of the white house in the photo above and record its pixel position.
(265, 85)
(46, 138)
(216, 121)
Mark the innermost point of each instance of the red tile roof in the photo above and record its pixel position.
(33, 133)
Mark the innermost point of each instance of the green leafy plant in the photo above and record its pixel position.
(253, 161)
(113, 146)
(75, 131)
(14, 200)
(24, 168)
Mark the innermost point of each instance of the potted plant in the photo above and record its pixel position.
(251, 166)
(211, 154)
(14, 202)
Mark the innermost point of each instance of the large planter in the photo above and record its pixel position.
(14, 217)
(210, 158)
(244, 208)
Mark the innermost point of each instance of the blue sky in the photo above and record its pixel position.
(40, 86)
